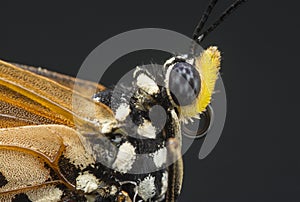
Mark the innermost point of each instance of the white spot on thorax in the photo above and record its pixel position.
(159, 157)
(147, 130)
(146, 188)
(87, 183)
(125, 158)
(122, 112)
(147, 84)
(113, 190)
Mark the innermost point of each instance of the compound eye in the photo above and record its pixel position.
(184, 83)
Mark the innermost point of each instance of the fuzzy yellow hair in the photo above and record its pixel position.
(208, 66)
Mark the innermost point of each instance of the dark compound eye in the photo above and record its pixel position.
(184, 83)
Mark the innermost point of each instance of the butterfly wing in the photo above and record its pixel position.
(51, 98)
(83, 87)
(32, 168)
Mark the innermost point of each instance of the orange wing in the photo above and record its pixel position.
(83, 87)
(47, 97)
(35, 155)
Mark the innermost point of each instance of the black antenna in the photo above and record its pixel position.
(199, 37)
(204, 19)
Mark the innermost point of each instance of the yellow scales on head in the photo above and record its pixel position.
(208, 66)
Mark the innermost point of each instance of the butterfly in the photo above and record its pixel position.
(60, 143)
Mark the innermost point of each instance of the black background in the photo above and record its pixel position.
(257, 157)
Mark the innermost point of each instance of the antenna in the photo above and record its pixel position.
(204, 19)
(197, 36)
